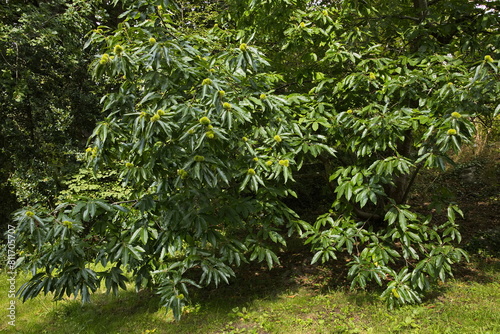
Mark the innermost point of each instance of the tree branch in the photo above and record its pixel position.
(410, 183)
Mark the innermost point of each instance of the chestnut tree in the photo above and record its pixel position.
(208, 124)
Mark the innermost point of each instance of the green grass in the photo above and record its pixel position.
(266, 304)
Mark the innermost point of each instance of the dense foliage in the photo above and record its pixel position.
(207, 124)
(49, 100)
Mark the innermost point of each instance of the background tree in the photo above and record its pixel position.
(49, 101)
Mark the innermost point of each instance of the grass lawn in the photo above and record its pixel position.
(269, 302)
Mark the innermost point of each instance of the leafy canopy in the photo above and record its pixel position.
(206, 124)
